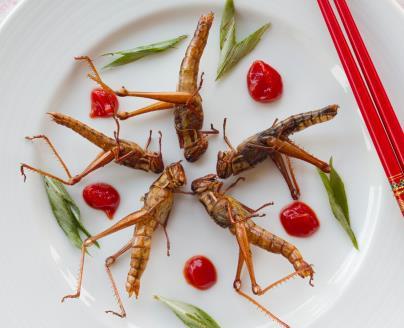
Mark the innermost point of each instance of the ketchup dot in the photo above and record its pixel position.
(299, 220)
(103, 103)
(102, 196)
(264, 82)
(200, 272)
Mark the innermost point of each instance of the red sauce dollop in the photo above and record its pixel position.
(102, 196)
(264, 82)
(200, 272)
(103, 103)
(299, 220)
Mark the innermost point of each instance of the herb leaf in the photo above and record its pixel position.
(229, 43)
(131, 55)
(240, 50)
(190, 315)
(232, 52)
(338, 187)
(66, 211)
(227, 20)
(336, 207)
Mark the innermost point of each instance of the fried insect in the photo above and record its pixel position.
(123, 152)
(229, 213)
(155, 211)
(274, 143)
(186, 102)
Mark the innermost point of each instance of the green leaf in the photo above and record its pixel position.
(239, 50)
(337, 185)
(228, 43)
(337, 210)
(227, 20)
(66, 211)
(131, 55)
(232, 52)
(190, 315)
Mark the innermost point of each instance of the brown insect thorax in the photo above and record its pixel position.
(175, 176)
(207, 189)
(155, 160)
(224, 167)
(193, 152)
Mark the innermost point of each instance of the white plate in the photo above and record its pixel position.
(38, 74)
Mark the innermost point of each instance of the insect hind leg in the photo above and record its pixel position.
(108, 263)
(96, 77)
(263, 309)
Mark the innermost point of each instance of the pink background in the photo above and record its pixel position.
(6, 6)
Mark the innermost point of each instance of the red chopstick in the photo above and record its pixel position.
(377, 132)
(383, 104)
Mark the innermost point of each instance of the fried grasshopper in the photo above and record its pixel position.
(123, 152)
(158, 202)
(229, 213)
(186, 101)
(274, 143)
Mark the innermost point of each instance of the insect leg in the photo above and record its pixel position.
(284, 279)
(237, 287)
(160, 138)
(148, 140)
(226, 140)
(244, 244)
(50, 144)
(120, 159)
(263, 309)
(287, 148)
(127, 221)
(160, 105)
(96, 77)
(211, 131)
(254, 213)
(287, 173)
(101, 160)
(240, 264)
(174, 97)
(108, 263)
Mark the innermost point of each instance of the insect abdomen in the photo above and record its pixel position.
(299, 122)
(94, 136)
(140, 254)
(190, 64)
(274, 244)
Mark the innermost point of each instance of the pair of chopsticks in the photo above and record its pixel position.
(374, 104)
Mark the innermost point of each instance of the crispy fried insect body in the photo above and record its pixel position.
(189, 117)
(186, 101)
(123, 152)
(157, 206)
(208, 190)
(141, 159)
(158, 202)
(275, 143)
(229, 213)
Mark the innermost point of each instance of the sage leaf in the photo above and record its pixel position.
(337, 185)
(66, 211)
(131, 55)
(337, 209)
(190, 315)
(231, 51)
